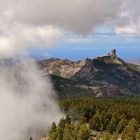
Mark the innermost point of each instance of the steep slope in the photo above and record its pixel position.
(103, 76)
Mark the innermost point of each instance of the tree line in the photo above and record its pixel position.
(112, 117)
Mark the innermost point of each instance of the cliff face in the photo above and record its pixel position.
(104, 76)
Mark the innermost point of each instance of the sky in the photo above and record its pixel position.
(74, 29)
(128, 48)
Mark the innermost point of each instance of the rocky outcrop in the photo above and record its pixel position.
(63, 68)
(113, 53)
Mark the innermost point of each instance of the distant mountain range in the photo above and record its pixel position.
(106, 76)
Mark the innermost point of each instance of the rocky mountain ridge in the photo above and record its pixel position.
(106, 76)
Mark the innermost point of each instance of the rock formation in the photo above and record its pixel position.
(113, 53)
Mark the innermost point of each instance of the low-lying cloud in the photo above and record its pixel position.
(27, 101)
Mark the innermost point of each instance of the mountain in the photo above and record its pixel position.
(105, 76)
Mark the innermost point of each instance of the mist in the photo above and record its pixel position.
(28, 103)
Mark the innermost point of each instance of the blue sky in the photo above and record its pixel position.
(76, 48)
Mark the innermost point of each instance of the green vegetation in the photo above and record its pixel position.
(91, 118)
(30, 138)
(66, 130)
(133, 67)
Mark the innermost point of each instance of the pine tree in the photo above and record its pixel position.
(98, 137)
(76, 130)
(30, 138)
(83, 133)
(82, 120)
(112, 125)
(60, 129)
(68, 119)
(53, 132)
(138, 135)
(95, 122)
(121, 125)
(114, 136)
(106, 123)
(68, 133)
(106, 136)
(130, 131)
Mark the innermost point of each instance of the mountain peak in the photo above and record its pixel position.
(107, 75)
(110, 58)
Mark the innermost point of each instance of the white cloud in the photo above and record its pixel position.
(31, 23)
(76, 15)
(19, 37)
(131, 29)
(130, 18)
